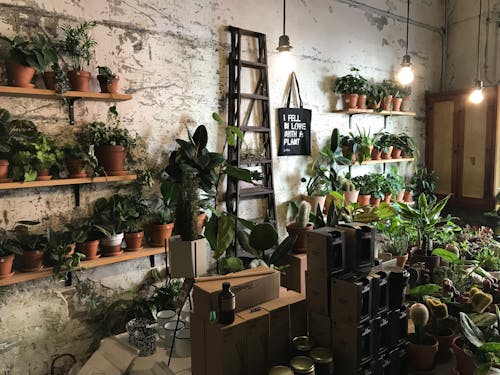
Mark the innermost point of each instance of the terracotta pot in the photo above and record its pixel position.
(431, 261)
(301, 232)
(79, 80)
(445, 338)
(376, 154)
(315, 201)
(112, 159)
(387, 155)
(4, 168)
(364, 199)
(375, 201)
(43, 175)
(6, 266)
(159, 233)
(396, 104)
(465, 363)
(401, 260)
(400, 196)
(19, 75)
(345, 152)
(89, 249)
(396, 153)
(362, 152)
(133, 240)
(32, 260)
(408, 196)
(361, 102)
(373, 105)
(351, 196)
(387, 198)
(386, 103)
(405, 104)
(350, 101)
(1, 72)
(108, 88)
(383, 256)
(422, 357)
(49, 78)
(201, 221)
(76, 168)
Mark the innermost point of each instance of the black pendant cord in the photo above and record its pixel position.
(407, 24)
(284, 16)
(478, 75)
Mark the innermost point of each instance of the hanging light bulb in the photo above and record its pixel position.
(477, 96)
(286, 60)
(405, 75)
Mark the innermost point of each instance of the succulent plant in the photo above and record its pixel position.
(302, 218)
(419, 314)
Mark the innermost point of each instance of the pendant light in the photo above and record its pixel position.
(405, 75)
(476, 95)
(284, 47)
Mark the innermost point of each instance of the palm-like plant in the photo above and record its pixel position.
(78, 43)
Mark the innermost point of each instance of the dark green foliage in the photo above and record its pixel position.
(106, 72)
(78, 43)
(37, 53)
(188, 207)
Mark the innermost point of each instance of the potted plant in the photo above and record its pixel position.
(408, 146)
(349, 86)
(384, 141)
(396, 241)
(27, 57)
(405, 92)
(78, 159)
(31, 244)
(108, 80)
(112, 143)
(8, 249)
(391, 90)
(444, 335)
(422, 347)
(362, 145)
(424, 182)
(349, 190)
(300, 227)
(347, 144)
(162, 223)
(83, 233)
(134, 210)
(362, 183)
(109, 221)
(375, 184)
(316, 187)
(5, 146)
(375, 96)
(60, 253)
(78, 44)
(397, 148)
(46, 156)
(393, 186)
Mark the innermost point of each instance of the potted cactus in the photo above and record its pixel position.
(300, 227)
(349, 190)
(444, 335)
(422, 347)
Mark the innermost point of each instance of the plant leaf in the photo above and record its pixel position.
(471, 332)
(422, 290)
(446, 255)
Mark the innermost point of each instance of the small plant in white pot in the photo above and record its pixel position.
(109, 221)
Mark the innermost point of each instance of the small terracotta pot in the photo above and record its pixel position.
(32, 260)
(160, 233)
(400, 196)
(43, 175)
(376, 154)
(387, 155)
(361, 102)
(89, 249)
(375, 201)
(396, 153)
(4, 168)
(6, 266)
(405, 104)
(422, 357)
(364, 199)
(108, 88)
(401, 260)
(351, 196)
(445, 338)
(465, 363)
(396, 104)
(350, 101)
(19, 75)
(79, 80)
(373, 105)
(300, 246)
(387, 198)
(201, 221)
(408, 196)
(315, 201)
(111, 250)
(386, 103)
(112, 159)
(345, 152)
(134, 240)
(362, 152)
(49, 78)
(76, 168)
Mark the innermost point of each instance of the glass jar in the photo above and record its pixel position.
(302, 365)
(302, 345)
(280, 370)
(323, 361)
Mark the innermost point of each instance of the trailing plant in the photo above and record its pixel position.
(352, 83)
(106, 72)
(60, 254)
(78, 43)
(37, 52)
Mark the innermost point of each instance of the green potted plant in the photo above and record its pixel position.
(135, 209)
(397, 146)
(424, 182)
(8, 249)
(349, 86)
(405, 92)
(362, 145)
(300, 226)
(316, 186)
(362, 183)
(395, 239)
(349, 190)
(375, 184)
(375, 95)
(408, 146)
(393, 186)
(422, 347)
(162, 216)
(46, 156)
(26, 57)
(109, 221)
(83, 233)
(79, 158)
(112, 143)
(31, 244)
(399, 93)
(78, 44)
(108, 80)
(60, 254)
(384, 142)
(347, 144)
(391, 90)
(5, 146)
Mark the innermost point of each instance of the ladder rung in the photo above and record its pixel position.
(252, 96)
(255, 192)
(251, 64)
(256, 129)
(256, 161)
(246, 32)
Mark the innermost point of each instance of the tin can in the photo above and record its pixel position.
(280, 370)
(302, 345)
(323, 361)
(302, 365)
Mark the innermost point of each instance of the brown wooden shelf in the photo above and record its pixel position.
(66, 181)
(20, 277)
(51, 94)
(357, 111)
(383, 161)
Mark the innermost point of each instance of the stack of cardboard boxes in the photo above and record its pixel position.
(259, 338)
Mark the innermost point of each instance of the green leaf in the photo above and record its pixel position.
(220, 234)
(422, 290)
(244, 241)
(263, 237)
(233, 134)
(446, 255)
(219, 119)
(483, 369)
(483, 319)
(491, 347)
(238, 173)
(231, 264)
(200, 137)
(283, 248)
(471, 332)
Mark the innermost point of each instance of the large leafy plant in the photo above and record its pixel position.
(78, 43)
(110, 215)
(37, 52)
(352, 83)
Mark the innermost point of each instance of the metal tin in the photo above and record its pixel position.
(302, 345)
(302, 365)
(323, 361)
(280, 370)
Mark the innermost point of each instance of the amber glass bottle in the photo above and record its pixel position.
(227, 304)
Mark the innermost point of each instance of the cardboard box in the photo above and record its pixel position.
(298, 312)
(351, 300)
(320, 329)
(187, 258)
(111, 358)
(257, 339)
(250, 287)
(326, 252)
(225, 347)
(198, 361)
(279, 331)
(318, 294)
(294, 277)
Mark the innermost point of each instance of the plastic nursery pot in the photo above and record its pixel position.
(6, 266)
(361, 103)
(112, 159)
(315, 201)
(49, 78)
(32, 260)
(364, 199)
(350, 101)
(387, 155)
(76, 168)
(133, 240)
(19, 75)
(89, 249)
(159, 233)
(422, 357)
(4, 168)
(301, 232)
(79, 80)
(386, 103)
(465, 363)
(396, 104)
(108, 87)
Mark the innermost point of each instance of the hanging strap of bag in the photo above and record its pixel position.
(293, 79)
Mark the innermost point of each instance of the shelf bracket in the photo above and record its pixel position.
(71, 110)
(69, 279)
(76, 191)
(152, 260)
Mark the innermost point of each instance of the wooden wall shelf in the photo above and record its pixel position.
(51, 94)
(66, 181)
(383, 161)
(20, 277)
(357, 111)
